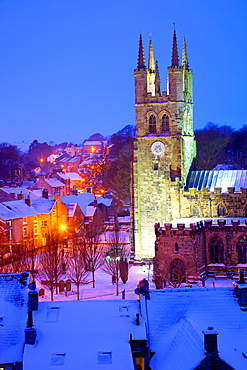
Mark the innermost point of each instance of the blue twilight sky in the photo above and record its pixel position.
(66, 66)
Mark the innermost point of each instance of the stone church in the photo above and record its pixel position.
(199, 216)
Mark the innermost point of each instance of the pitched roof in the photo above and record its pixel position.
(16, 209)
(98, 332)
(13, 316)
(22, 190)
(74, 176)
(177, 318)
(217, 179)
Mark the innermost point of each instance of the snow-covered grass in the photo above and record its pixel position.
(105, 290)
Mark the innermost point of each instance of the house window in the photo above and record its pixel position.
(54, 213)
(165, 123)
(24, 220)
(35, 229)
(44, 223)
(216, 250)
(152, 124)
(139, 363)
(242, 250)
(25, 231)
(10, 234)
(43, 240)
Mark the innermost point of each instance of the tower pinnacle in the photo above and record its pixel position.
(151, 57)
(157, 78)
(185, 61)
(175, 61)
(141, 60)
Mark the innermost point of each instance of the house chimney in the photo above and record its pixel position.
(32, 297)
(89, 190)
(20, 195)
(241, 277)
(28, 201)
(30, 331)
(210, 341)
(45, 193)
(74, 191)
(57, 194)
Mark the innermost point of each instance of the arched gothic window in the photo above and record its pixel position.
(195, 211)
(216, 250)
(242, 249)
(177, 272)
(176, 247)
(152, 124)
(165, 123)
(221, 211)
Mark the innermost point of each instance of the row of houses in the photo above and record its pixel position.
(26, 217)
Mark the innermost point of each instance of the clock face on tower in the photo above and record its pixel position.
(158, 148)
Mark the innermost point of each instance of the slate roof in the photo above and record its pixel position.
(13, 316)
(22, 190)
(16, 209)
(74, 176)
(177, 318)
(88, 335)
(217, 179)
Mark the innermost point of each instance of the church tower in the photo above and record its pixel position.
(164, 147)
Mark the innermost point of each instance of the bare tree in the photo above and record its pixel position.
(51, 262)
(115, 254)
(76, 264)
(93, 247)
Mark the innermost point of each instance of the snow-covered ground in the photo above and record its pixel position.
(106, 290)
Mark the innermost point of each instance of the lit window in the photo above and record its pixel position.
(139, 363)
(25, 231)
(44, 223)
(24, 220)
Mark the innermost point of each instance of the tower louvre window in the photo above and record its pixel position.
(165, 123)
(152, 124)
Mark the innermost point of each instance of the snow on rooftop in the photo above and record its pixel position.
(16, 209)
(21, 190)
(177, 318)
(93, 334)
(43, 205)
(13, 316)
(70, 175)
(55, 183)
(193, 220)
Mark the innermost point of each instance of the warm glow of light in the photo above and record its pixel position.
(63, 227)
(92, 149)
(92, 166)
(41, 160)
(62, 166)
(102, 191)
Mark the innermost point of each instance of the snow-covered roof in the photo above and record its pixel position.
(16, 209)
(92, 142)
(177, 318)
(90, 211)
(13, 316)
(21, 190)
(84, 200)
(193, 220)
(74, 176)
(55, 183)
(74, 159)
(88, 335)
(43, 205)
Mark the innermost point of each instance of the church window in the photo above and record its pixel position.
(177, 272)
(195, 211)
(152, 124)
(216, 250)
(221, 211)
(156, 166)
(165, 123)
(242, 250)
(176, 247)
